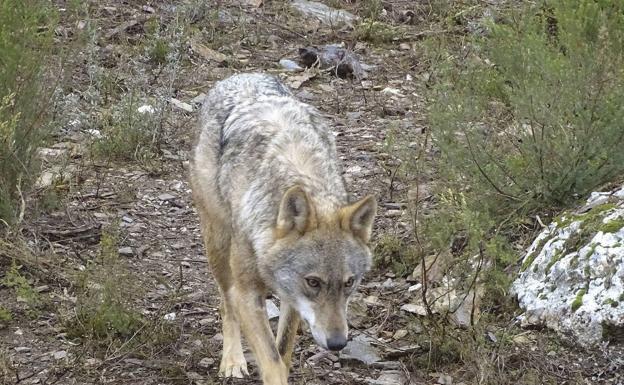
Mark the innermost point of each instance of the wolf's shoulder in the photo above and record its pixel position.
(239, 90)
(250, 86)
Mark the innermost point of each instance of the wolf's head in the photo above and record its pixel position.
(318, 260)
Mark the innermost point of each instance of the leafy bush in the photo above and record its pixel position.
(527, 120)
(26, 30)
(532, 120)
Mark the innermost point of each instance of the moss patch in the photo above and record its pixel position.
(554, 259)
(578, 301)
(528, 260)
(612, 302)
(612, 226)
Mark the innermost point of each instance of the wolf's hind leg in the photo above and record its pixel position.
(287, 332)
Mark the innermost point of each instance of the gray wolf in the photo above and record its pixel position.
(275, 218)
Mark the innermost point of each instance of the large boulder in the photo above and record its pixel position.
(572, 277)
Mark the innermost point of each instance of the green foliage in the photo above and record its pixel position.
(613, 226)
(23, 290)
(158, 51)
(391, 251)
(128, 134)
(5, 316)
(106, 318)
(578, 300)
(532, 120)
(26, 31)
(375, 31)
(103, 309)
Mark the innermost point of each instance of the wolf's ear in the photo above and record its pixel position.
(295, 212)
(358, 217)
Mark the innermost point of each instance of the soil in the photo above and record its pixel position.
(147, 203)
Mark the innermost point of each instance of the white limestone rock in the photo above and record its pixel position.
(572, 277)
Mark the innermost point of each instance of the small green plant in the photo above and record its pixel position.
(5, 316)
(391, 251)
(375, 31)
(158, 51)
(128, 134)
(104, 312)
(7, 371)
(371, 9)
(23, 289)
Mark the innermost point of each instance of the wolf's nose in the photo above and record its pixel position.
(336, 343)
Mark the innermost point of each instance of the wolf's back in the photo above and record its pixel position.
(240, 89)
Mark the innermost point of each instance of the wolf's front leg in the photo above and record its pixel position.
(287, 332)
(233, 363)
(250, 306)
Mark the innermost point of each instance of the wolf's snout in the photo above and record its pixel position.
(336, 342)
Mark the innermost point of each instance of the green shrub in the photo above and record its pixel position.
(104, 312)
(128, 134)
(24, 291)
(532, 120)
(527, 121)
(106, 319)
(26, 31)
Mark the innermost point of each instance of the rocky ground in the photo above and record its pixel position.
(153, 61)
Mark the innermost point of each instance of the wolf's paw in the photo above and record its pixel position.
(233, 367)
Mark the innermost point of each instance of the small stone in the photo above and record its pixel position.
(208, 53)
(388, 284)
(166, 197)
(354, 115)
(126, 251)
(360, 349)
(199, 99)
(290, 65)
(93, 361)
(392, 91)
(399, 334)
(59, 355)
(206, 362)
(206, 321)
(445, 379)
(181, 105)
(414, 309)
(414, 288)
(22, 349)
(170, 317)
(146, 109)
(405, 47)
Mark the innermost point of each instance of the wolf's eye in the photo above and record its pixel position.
(349, 282)
(313, 282)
